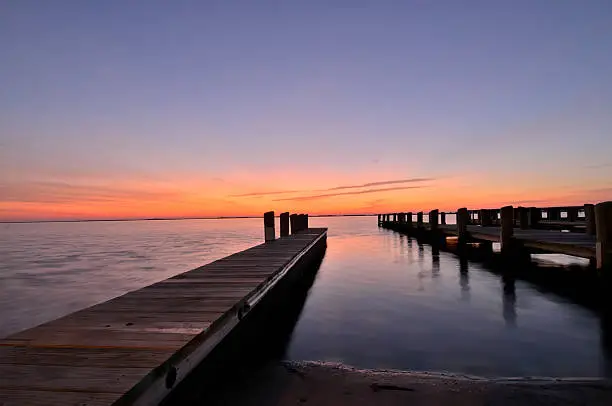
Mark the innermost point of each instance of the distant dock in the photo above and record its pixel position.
(136, 348)
(580, 231)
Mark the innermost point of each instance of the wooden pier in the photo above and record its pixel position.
(136, 348)
(580, 231)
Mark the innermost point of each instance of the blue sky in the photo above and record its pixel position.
(236, 97)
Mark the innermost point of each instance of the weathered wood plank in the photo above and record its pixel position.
(32, 397)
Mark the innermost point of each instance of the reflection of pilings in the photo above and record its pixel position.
(435, 261)
(464, 278)
(509, 300)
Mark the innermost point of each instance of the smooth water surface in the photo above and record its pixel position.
(379, 300)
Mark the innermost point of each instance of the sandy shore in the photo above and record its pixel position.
(292, 383)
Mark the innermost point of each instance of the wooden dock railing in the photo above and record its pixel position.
(587, 229)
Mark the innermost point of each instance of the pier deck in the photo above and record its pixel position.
(135, 348)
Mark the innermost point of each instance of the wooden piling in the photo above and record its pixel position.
(293, 220)
(433, 220)
(463, 218)
(284, 224)
(442, 218)
(507, 228)
(485, 217)
(589, 217)
(603, 225)
(269, 232)
(535, 215)
(409, 219)
(306, 226)
(523, 214)
(420, 219)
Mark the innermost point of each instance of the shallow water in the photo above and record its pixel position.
(380, 300)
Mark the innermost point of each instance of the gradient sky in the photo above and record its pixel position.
(195, 108)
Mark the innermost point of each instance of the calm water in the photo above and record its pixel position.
(379, 300)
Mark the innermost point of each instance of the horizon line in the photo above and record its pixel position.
(175, 218)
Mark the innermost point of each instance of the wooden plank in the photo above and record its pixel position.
(60, 378)
(83, 357)
(31, 397)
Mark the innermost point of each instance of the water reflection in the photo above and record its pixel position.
(379, 304)
(464, 279)
(509, 300)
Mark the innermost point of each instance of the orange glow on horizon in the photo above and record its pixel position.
(248, 195)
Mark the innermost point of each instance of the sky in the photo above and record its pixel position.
(132, 109)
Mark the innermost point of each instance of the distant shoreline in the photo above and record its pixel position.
(171, 219)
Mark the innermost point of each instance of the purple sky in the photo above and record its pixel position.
(108, 92)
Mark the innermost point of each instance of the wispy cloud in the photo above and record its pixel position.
(343, 187)
(381, 183)
(59, 192)
(355, 192)
(278, 192)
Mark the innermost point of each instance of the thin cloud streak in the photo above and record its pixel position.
(381, 183)
(363, 185)
(357, 192)
(278, 192)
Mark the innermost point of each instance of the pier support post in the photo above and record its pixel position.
(420, 219)
(284, 224)
(507, 228)
(523, 218)
(306, 226)
(443, 218)
(603, 225)
(409, 219)
(485, 217)
(269, 233)
(293, 219)
(535, 215)
(589, 217)
(463, 217)
(433, 220)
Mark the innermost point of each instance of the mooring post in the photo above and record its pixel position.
(443, 218)
(523, 218)
(589, 217)
(433, 220)
(284, 224)
(293, 219)
(603, 225)
(409, 219)
(485, 218)
(535, 215)
(306, 227)
(420, 219)
(269, 233)
(463, 217)
(507, 228)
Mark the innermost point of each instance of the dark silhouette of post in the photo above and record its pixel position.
(535, 215)
(603, 225)
(463, 218)
(523, 218)
(306, 221)
(507, 228)
(284, 224)
(420, 219)
(589, 217)
(293, 219)
(443, 218)
(433, 220)
(409, 219)
(485, 217)
(269, 233)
